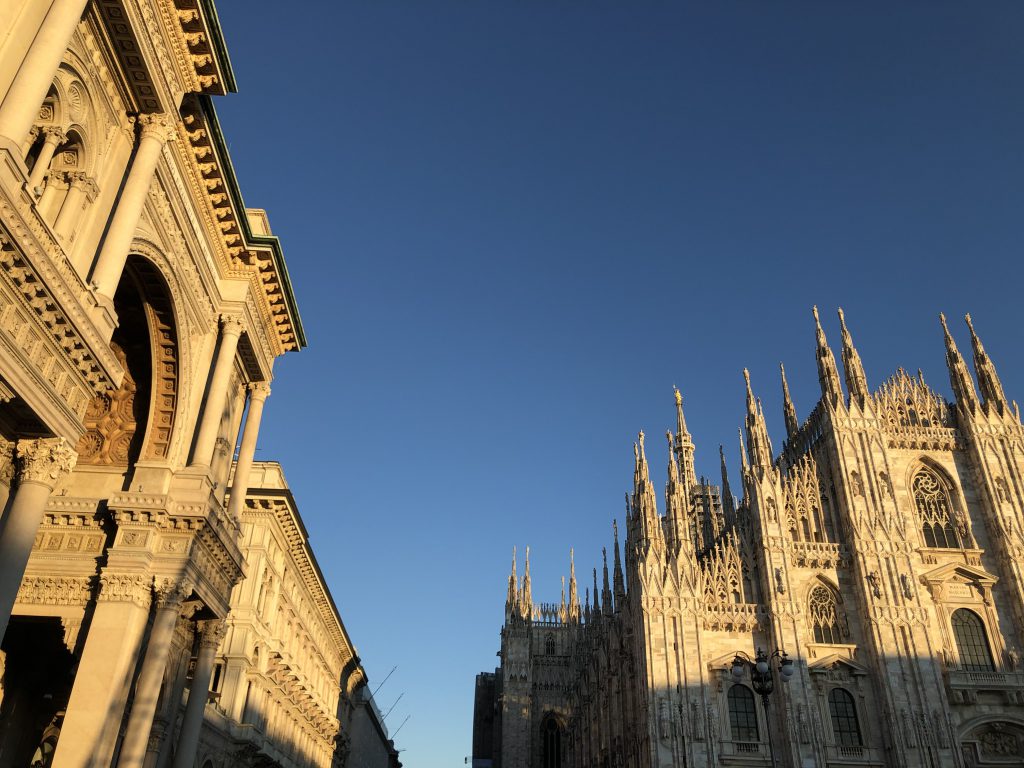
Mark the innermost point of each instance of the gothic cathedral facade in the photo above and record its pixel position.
(881, 550)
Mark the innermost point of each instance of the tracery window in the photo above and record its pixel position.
(742, 714)
(824, 612)
(844, 718)
(972, 641)
(549, 646)
(931, 497)
(551, 743)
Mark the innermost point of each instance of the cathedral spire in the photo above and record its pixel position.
(596, 610)
(828, 374)
(574, 597)
(676, 501)
(743, 451)
(788, 410)
(526, 600)
(684, 447)
(644, 502)
(606, 592)
(728, 504)
(959, 377)
(856, 379)
(513, 585)
(563, 614)
(620, 583)
(988, 380)
(757, 430)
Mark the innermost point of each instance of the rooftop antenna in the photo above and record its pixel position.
(384, 680)
(400, 728)
(385, 717)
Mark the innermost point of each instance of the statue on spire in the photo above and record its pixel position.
(828, 374)
(788, 409)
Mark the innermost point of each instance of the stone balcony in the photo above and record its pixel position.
(967, 687)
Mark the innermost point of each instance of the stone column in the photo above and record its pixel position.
(258, 393)
(41, 465)
(26, 145)
(155, 130)
(54, 137)
(147, 688)
(21, 104)
(198, 692)
(96, 707)
(216, 395)
(67, 219)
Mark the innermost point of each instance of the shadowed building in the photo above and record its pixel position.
(882, 549)
(142, 308)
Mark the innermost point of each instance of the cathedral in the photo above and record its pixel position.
(160, 604)
(857, 599)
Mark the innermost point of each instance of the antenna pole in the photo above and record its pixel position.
(384, 680)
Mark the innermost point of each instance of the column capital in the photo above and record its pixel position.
(212, 633)
(125, 588)
(155, 125)
(259, 390)
(231, 325)
(170, 593)
(45, 460)
(54, 134)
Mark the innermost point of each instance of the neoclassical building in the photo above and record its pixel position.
(153, 612)
(882, 549)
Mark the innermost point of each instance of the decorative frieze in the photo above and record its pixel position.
(55, 590)
(125, 588)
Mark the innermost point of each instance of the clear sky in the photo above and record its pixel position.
(513, 225)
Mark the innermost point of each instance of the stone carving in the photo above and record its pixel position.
(875, 583)
(54, 590)
(780, 583)
(172, 592)
(905, 584)
(213, 632)
(45, 461)
(998, 742)
(125, 588)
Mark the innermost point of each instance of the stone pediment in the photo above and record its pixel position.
(837, 663)
(959, 572)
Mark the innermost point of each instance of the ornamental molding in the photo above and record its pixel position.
(55, 590)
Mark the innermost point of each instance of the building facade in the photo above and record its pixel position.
(882, 549)
(142, 309)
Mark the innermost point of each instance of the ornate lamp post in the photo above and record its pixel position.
(762, 677)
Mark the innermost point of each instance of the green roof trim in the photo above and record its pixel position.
(219, 45)
(267, 241)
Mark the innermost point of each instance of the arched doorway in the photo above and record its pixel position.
(136, 421)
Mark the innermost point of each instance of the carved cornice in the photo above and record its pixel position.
(54, 590)
(45, 461)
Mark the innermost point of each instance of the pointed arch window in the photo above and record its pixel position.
(843, 711)
(972, 641)
(551, 741)
(742, 714)
(824, 613)
(935, 510)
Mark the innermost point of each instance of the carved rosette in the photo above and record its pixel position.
(213, 632)
(45, 461)
(125, 588)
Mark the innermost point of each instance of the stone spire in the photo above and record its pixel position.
(606, 592)
(563, 614)
(728, 503)
(620, 582)
(596, 611)
(684, 447)
(513, 585)
(757, 430)
(675, 499)
(743, 450)
(644, 502)
(856, 379)
(526, 600)
(788, 410)
(988, 380)
(574, 597)
(586, 604)
(828, 374)
(959, 377)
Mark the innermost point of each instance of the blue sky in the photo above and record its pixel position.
(513, 226)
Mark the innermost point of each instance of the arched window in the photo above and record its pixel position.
(844, 718)
(931, 497)
(972, 641)
(742, 714)
(549, 646)
(824, 614)
(551, 743)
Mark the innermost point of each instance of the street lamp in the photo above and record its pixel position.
(763, 679)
